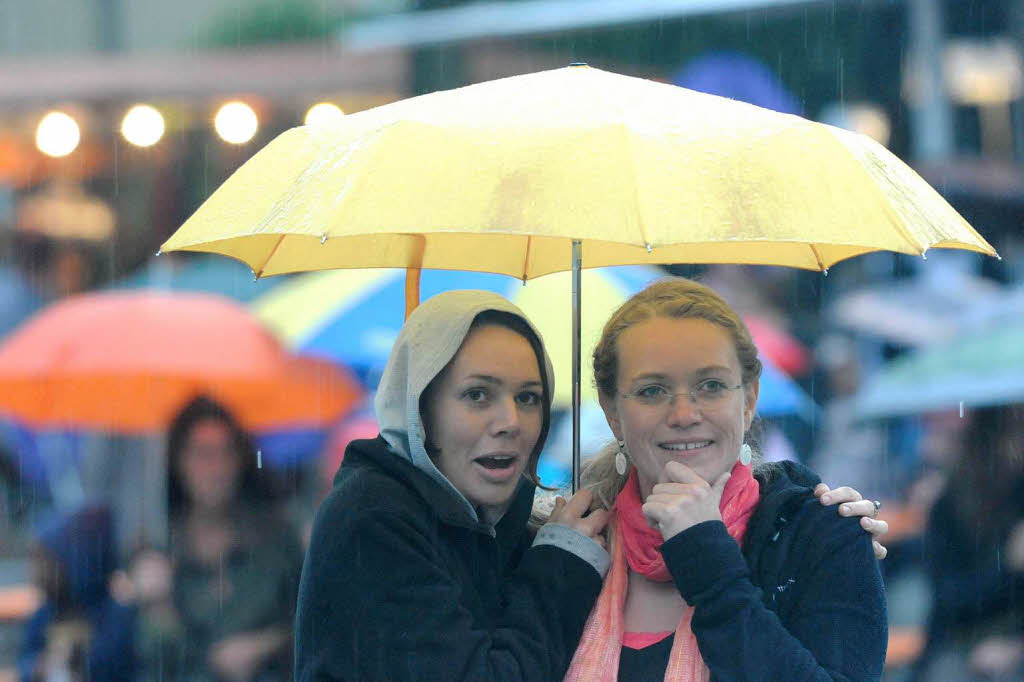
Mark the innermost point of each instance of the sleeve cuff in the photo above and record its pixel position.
(703, 559)
(575, 543)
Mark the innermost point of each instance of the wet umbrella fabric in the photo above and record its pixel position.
(981, 368)
(126, 362)
(504, 176)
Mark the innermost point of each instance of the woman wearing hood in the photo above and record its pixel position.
(420, 566)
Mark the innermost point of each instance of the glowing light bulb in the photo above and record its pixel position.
(58, 134)
(143, 126)
(323, 112)
(236, 122)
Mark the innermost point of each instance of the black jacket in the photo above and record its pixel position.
(803, 601)
(975, 592)
(398, 584)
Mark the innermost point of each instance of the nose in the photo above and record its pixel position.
(506, 420)
(683, 411)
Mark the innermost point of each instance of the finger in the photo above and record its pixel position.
(821, 489)
(877, 527)
(654, 512)
(594, 523)
(675, 500)
(680, 473)
(880, 550)
(673, 488)
(556, 510)
(841, 494)
(578, 504)
(861, 508)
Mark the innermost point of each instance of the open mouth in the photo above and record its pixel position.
(496, 462)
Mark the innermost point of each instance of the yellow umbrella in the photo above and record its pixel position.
(527, 175)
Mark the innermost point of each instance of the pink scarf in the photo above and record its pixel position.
(633, 541)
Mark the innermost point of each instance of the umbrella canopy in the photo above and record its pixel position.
(981, 368)
(126, 362)
(503, 176)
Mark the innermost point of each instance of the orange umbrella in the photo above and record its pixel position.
(126, 362)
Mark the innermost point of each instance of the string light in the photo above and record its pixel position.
(236, 122)
(322, 113)
(58, 134)
(143, 126)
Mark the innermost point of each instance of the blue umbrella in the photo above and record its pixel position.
(353, 316)
(211, 274)
(739, 77)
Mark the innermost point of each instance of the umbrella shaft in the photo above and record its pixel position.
(577, 264)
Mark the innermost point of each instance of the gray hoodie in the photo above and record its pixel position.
(428, 341)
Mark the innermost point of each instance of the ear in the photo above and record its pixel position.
(750, 394)
(611, 414)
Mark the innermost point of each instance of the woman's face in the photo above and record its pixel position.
(663, 356)
(484, 414)
(210, 465)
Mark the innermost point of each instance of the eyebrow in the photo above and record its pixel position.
(487, 378)
(702, 372)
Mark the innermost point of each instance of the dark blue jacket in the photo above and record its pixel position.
(398, 584)
(803, 600)
(83, 544)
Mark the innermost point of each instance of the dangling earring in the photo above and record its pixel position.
(746, 454)
(620, 459)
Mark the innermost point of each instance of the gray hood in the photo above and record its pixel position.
(427, 343)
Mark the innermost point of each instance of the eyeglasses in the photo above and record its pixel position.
(707, 395)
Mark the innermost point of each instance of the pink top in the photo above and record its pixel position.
(642, 640)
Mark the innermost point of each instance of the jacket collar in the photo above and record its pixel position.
(784, 487)
(449, 509)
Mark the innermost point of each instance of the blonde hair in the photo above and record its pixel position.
(673, 297)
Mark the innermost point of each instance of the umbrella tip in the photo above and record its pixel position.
(159, 252)
(825, 272)
(648, 245)
(323, 238)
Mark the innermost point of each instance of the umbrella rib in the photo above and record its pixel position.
(259, 272)
(529, 253)
(817, 257)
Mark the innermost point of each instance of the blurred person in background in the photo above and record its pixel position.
(849, 449)
(234, 563)
(974, 555)
(80, 633)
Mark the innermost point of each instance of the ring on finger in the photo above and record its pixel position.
(878, 505)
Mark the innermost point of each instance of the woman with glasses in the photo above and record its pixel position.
(722, 568)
